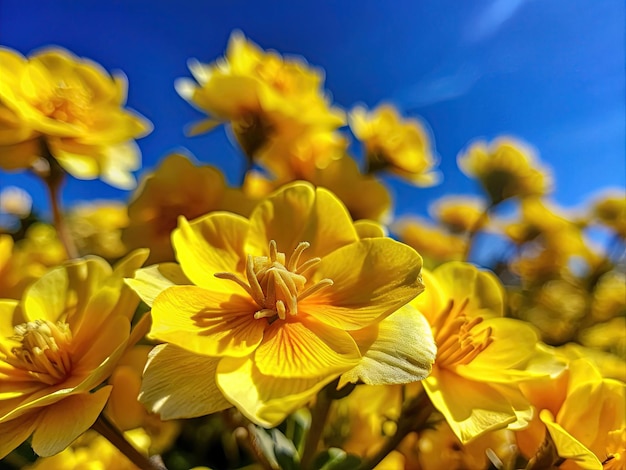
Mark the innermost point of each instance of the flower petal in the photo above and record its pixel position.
(470, 408)
(300, 213)
(206, 322)
(63, 422)
(398, 350)
(151, 281)
(372, 278)
(15, 432)
(211, 244)
(263, 399)
(305, 349)
(180, 384)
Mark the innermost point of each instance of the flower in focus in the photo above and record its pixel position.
(26, 260)
(71, 107)
(177, 187)
(260, 94)
(584, 414)
(59, 344)
(481, 355)
(400, 146)
(96, 228)
(505, 168)
(281, 304)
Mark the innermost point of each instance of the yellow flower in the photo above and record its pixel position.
(401, 146)
(281, 304)
(609, 296)
(26, 260)
(585, 415)
(96, 228)
(459, 214)
(59, 344)
(76, 108)
(505, 168)
(480, 355)
(177, 187)
(260, 94)
(610, 210)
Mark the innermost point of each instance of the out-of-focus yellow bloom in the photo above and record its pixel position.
(177, 187)
(265, 330)
(480, 357)
(459, 214)
(262, 95)
(93, 452)
(75, 109)
(401, 146)
(610, 210)
(434, 243)
(609, 296)
(25, 261)
(611, 366)
(15, 201)
(505, 168)
(585, 415)
(56, 346)
(608, 336)
(440, 449)
(96, 228)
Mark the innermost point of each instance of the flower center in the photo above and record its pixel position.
(276, 285)
(67, 102)
(44, 350)
(456, 343)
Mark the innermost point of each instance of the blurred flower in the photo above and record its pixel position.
(401, 146)
(505, 168)
(177, 187)
(610, 210)
(610, 365)
(433, 242)
(15, 201)
(584, 414)
(607, 336)
(59, 344)
(459, 214)
(92, 451)
(609, 296)
(72, 107)
(96, 228)
(479, 352)
(270, 330)
(26, 260)
(261, 95)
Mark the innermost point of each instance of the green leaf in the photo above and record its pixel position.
(336, 459)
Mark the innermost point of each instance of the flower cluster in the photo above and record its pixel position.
(292, 321)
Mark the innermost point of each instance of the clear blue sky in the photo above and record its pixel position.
(551, 72)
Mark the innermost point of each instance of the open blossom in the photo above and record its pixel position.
(401, 146)
(481, 356)
(55, 102)
(57, 345)
(260, 94)
(277, 306)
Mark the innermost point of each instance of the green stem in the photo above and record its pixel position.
(478, 225)
(414, 417)
(107, 429)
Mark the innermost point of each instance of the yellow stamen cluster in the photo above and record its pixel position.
(44, 350)
(67, 103)
(456, 344)
(275, 285)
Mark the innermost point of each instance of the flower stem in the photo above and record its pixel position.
(478, 225)
(414, 417)
(107, 429)
(546, 456)
(53, 175)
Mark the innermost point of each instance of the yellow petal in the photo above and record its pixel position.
(370, 229)
(470, 408)
(15, 432)
(8, 309)
(179, 384)
(567, 446)
(300, 213)
(263, 399)
(372, 278)
(63, 422)
(305, 349)
(205, 322)
(211, 244)
(400, 349)
(151, 281)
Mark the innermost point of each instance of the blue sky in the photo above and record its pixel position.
(550, 72)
